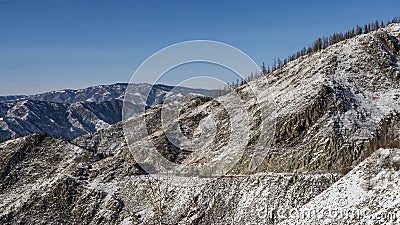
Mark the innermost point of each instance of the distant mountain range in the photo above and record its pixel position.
(72, 113)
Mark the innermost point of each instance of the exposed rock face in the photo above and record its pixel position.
(333, 110)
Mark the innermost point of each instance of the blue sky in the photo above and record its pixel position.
(50, 44)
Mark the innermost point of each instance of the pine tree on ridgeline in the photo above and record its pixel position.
(263, 69)
(318, 45)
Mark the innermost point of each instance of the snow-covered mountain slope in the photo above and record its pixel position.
(369, 194)
(44, 179)
(338, 105)
(72, 113)
(57, 119)
(333, 110)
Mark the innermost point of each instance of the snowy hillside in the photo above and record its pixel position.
(26, 117)
(369, 194)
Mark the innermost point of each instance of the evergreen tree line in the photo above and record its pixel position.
(318, 45)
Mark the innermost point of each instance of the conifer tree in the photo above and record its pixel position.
(279, 63)
(263, 69)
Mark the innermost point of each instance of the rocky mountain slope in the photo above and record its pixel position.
(44, 179)
(72, 113)
(334, 144)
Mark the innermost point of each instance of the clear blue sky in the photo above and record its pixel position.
(53, 44)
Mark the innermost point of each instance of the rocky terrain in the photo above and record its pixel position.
(72, 113)
(333, 145)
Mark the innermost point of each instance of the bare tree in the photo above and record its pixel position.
(367, 177)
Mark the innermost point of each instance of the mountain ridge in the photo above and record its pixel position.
(118, 88)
